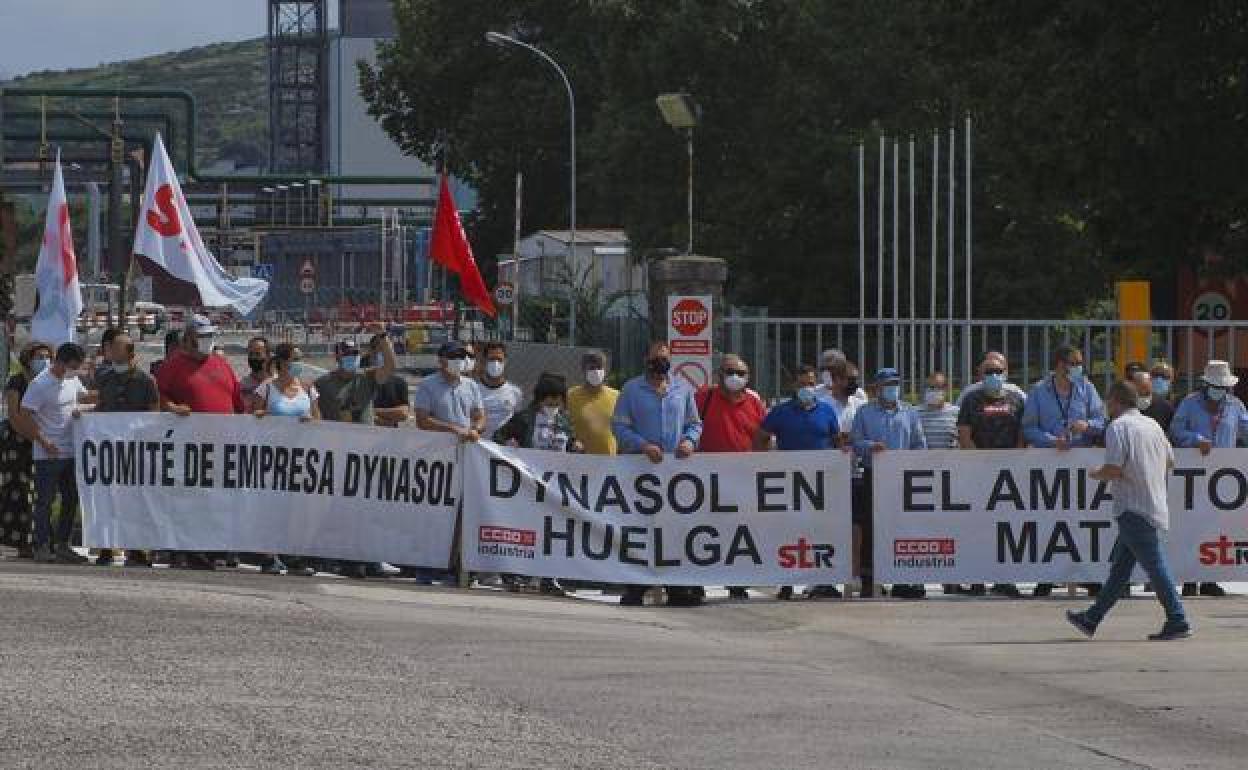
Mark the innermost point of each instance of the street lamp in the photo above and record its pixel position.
(682, 113)
(500, 39)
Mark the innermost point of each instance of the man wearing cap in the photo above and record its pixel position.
(1210, 418)
(347, 393)
(447, 400)
(654, 416)
(886, 423)
(192, 380)
(591, 405)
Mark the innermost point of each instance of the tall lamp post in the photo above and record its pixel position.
(497, 38)
(682, 113)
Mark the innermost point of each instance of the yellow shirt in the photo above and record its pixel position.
(591, 417)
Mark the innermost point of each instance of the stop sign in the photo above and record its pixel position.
(690, 317)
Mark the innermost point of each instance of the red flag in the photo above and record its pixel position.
(449, 247)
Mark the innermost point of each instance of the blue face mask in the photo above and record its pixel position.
(1075, 373)
(38, 364)
(890, 394)
(350, 363)
(993, 383)
(296, 369)
(806, 396)
(1215, 394)
(1161, 386)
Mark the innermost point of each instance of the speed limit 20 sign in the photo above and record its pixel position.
(689, 333)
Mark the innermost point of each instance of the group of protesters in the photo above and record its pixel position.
(655, 414)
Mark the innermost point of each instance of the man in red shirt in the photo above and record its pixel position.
(194, 381)
(731, 415)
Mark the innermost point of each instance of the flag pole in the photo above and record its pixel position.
(911, 360)
(952, 227)
(879, 265)
(966, 232)
(896, 256)
(931, 286)
(862, 250)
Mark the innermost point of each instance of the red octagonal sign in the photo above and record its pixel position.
(690, 317)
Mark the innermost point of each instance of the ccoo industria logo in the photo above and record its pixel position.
(504, 541)
(925, 552)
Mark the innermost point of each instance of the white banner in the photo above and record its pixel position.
(953, 516)
(715, 519)
(273, 485)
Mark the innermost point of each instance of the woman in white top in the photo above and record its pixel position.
(286, 396)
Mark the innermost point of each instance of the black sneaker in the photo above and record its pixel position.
(1042, 590)
(1080, 621)
(1006, 589)
(633, 598)
(683, 597)
(1189, 589)
(738, 593)
(951, 589)
(977, 589)
(785, 593)
(1212, 589)
(823, 592)
(1169, 633)
(104, 558)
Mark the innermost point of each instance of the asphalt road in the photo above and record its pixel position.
(111, 667)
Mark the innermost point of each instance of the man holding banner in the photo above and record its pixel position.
(656, 415)
(1138, 460)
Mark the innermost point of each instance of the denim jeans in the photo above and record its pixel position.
(1138, 541)
(52, 476)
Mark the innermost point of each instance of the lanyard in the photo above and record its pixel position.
(1063, 408)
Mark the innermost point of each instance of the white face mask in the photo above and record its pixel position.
(456, 365)
(933, 397)
(470, 363)
(1143, 402)
(494, 369)
(734, 382)
(550, 412)
(825, 377)
(595, 377)
(204, 344)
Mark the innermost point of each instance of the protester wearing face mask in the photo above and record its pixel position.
(591, 405)
(1162, 375)
(991, 417)
(656, 415)
(447, 400)
(1210, 418)
(257, 371)
(886, 423)
(939, 417)
(346, 394)
(731, 414)
(1064, 410)
(832, 363)
(194, 381)
(392, 404)
(1150, 405)
(16, 465)
(995, 360)
(500, 398)
(804, 422)
(51, 401)
(123, 387)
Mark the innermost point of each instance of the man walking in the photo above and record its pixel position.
(1138, 459)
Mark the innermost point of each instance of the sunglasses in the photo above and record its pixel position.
(994, 371)
(738, 372)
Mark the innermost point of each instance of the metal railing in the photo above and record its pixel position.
(775, 347)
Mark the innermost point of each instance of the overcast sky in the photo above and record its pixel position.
(64, 34)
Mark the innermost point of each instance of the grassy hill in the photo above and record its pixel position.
(229, 81)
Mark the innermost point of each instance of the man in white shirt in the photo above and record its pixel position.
(48, 409)
(500, 398)
(1138, 460)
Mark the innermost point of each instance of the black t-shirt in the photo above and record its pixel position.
(393, 392)
(995, 422)
(1162, 411)
(129, 391)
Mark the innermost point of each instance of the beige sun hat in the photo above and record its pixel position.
(1218, 374)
